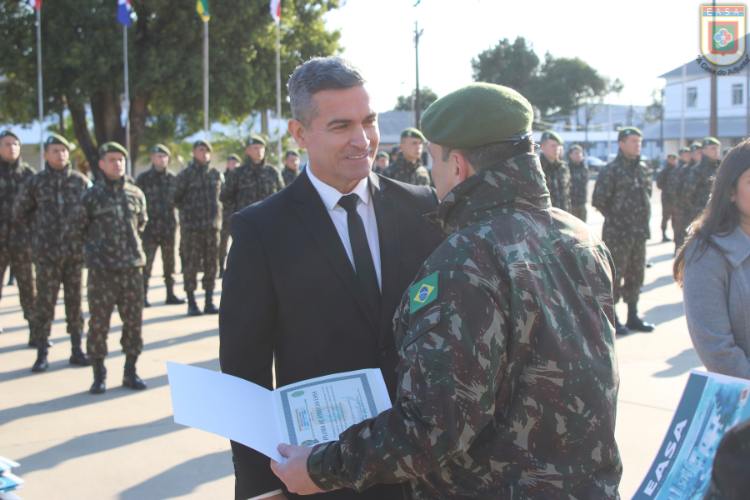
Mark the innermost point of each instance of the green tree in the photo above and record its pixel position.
(82, 58)
(426, 97)
(513, 65)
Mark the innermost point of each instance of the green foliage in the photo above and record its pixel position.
(426, 97)
(514, 65)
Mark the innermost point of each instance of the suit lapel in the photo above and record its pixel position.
(317, 221)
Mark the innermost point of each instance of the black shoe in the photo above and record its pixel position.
(146, 303)
(129, 377)
(649, 264)
(635, 323)
(41, 364)
(620, 329)
(78, 357)
(192, 306)
(221, 273)
(665, 239)
(100, 375)
(210, 308)
(172, 299)
(11, 281)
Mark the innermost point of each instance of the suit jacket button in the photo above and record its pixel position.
(383, 351)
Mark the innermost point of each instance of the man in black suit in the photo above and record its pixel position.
(316, 271)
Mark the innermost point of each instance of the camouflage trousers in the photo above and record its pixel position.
(23, 270)
(223, 244)
(680, 222)
(630, 268)
(579, 211)
(49, 276)
(167, 259)
(199, 246)
(106, 289)
(667, 212)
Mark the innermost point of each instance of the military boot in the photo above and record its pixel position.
(192, 306)
(146, 303)
(32, 342)
(129, 377)
(11, 279)
(221, 271)
(77, 356)
(210, 308)
(664, 237)
(100, 375)
(171, 297)
(620, 329)
(41, 364)
(635, 323)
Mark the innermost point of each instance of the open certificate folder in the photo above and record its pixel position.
(304, 414)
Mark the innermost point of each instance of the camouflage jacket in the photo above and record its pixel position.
(662, 182)
(227, 210)
(196, 195)
(14, 237)
(108, 220)
(696, 188)
(579, 183)
(157, 187)
(623, 194)
(405, 171)
(558, 182)
(44, 205)
(250, 183)
(676, 182)
(289, 175)
(508, 377)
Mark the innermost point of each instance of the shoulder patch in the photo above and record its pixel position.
(423, 293)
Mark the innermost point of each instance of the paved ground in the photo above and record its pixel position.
(124, 445)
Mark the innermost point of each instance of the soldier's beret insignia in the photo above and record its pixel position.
(423, 293)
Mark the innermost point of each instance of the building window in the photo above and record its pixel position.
(692, 97)
(737, 94)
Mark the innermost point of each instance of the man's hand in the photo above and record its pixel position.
(293, 472)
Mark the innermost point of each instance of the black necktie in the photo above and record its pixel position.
(363, 264)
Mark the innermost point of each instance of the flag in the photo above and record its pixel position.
(123, 12)
(202, 8)
(276, 10)
(36, 4)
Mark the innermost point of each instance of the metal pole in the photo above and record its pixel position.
(39, 84)
(278, 86)
(747, 102)
(205, 78)
(609, 127)
(713, 123)
(418, 103)
(127, 96)
(684, 99)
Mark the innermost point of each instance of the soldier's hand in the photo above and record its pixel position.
(293, 472)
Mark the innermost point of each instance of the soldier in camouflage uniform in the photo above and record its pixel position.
(253, 181)
(685, 157)
(233, 161)
(556, 171)
(579, 182)
(291, 167)
(44, 205)
(408, 166)
(681, 213)
(108, 220)
(508, 378)
(667, 202)
(196, 195)
(157, 184)
(14, 237)
(623, 194)
(381, 162)
(699, 181)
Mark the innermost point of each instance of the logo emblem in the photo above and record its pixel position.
(297, 394)
(723, 33)
(309, 442)
(423, 293)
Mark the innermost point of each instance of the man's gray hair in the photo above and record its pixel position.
(319, 73)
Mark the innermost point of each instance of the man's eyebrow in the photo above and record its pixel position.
(340, 121)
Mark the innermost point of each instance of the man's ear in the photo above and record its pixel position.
(298, 131)
(463, 168)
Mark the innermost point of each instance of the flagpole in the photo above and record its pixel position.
(205, 78)
(278, 85)
(39, 84)
(127, 96)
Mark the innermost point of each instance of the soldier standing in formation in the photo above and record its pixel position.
(43, 205)
(291, 167)
(157, 185)
(556, 171)
(579, 183)
(684, 155)
(14, 237)
(381, 162)
(667, 202)
(408, 167)
(227, 210)
(623, 195)
(196, 195)
(107, 220)
(696, 188)
(681, 212)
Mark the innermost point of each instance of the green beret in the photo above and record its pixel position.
(577, 148)
(201, 142)
(255, 139)
(395, 150)
(684, 150)
(475, 115)
(383, 154)
(57, 139)
(112, 147)
(412, 132)
(672, 155)
(550, 134)
(161, 148)
(695, 145)
(711, 140)
(9, 133)
(628, 131)
(234, 157)
(291, 153)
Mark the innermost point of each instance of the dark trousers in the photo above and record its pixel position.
(199, 246)
(49, 276)
(630, 268)
(167, 259)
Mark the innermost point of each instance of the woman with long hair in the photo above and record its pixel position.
(713, 268)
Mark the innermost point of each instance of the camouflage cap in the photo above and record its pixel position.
(234, 157)
(576, 148)
(627, 132)
(57, 139)
(475, 115)
(290, 153)
(10, 133)
(672, 155)
(695, 145)
(551, 134)
(255, 139)
(384, 154)
(161, 148)
(112, 147)
(707, 141)
(412, 132)
(684, 150)
(201, 142)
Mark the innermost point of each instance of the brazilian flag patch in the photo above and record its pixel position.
(423, 293)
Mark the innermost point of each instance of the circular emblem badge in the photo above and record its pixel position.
(297, 394)
(309, 442)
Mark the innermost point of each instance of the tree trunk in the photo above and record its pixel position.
(138, 116)
(78, 114)
(106, 109)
